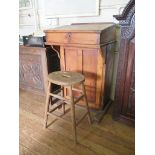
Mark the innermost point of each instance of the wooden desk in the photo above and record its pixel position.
(88, 49)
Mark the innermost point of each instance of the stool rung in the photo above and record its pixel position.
(58, 90)
(78, 90)
(56, 107)
(59, 97)
(65, 100)
(78, 99)
(59, 117)
(81, 118)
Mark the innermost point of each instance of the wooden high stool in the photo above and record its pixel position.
(66, 80)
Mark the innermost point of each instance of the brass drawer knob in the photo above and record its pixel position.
(68, 36)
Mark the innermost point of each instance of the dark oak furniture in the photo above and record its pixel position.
(33, 69)
(34, 65)
(124, 103)
(66, 80)
(88, 49)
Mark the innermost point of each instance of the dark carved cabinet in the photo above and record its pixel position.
(34, 65)
(33, 69)
(124, 103)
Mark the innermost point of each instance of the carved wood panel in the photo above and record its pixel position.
(32, 69)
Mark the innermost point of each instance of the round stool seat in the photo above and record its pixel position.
(65, 78)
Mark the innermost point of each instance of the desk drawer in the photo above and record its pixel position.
(72, 38)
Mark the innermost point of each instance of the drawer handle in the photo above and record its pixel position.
(68, 35)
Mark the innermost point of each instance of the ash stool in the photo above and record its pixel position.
(66, 80)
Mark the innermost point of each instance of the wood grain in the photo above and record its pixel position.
(125, 84)
(107, 138)
(33, 69)
(80, 50)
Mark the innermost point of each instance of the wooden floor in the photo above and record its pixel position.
(107, 138)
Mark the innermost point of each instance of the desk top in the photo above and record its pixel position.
(97, 27)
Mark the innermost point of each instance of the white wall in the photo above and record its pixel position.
(33, 19)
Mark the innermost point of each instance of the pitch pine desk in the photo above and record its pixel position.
(88, 49)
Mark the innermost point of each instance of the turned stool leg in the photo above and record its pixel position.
(86, 101)
(73, 115)
(63, 105)
(47, 104)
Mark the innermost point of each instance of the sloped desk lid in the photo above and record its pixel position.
(95, 27)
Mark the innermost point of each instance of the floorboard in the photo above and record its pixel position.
(109, 137)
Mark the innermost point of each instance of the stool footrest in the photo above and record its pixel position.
(59, 97)
(79, 98)
(56, 107)
(59, 117)
(57, 91)
(81, 118)
(66, 100)
(78, 90)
